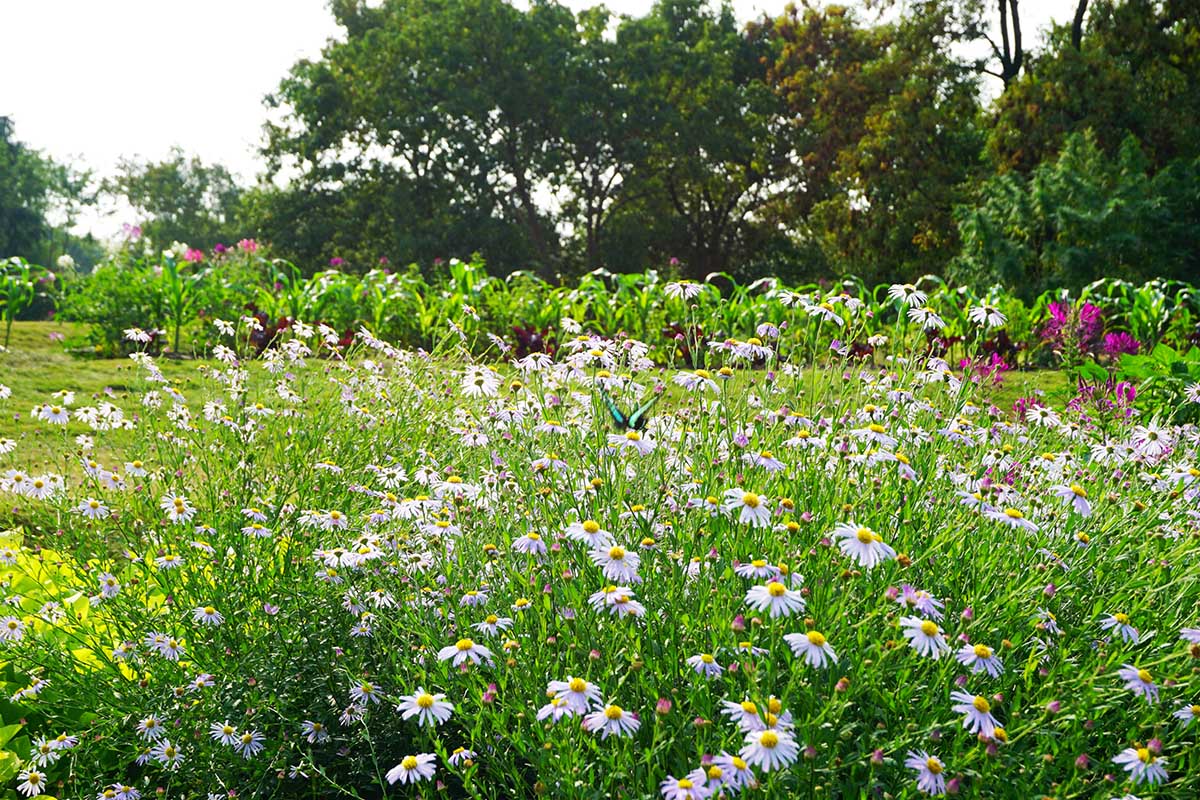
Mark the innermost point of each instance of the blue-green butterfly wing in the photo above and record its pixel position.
(637, 420)
(618, 417)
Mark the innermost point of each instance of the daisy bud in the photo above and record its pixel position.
(701, 722)
(992, 749)
(877, 757)
(663, 706)
(1081, 761)
(1088, 724)
(960, 681)
(1155, 746)
(968, 613)
(739, 623)
(594, 655)
(810, 752)
(953, 786)
(892, 593)
(1053, 707)
(1050, 590)
(842, 685)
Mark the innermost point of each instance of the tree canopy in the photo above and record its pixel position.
(883, 139)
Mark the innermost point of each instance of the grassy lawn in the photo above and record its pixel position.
(37, 365)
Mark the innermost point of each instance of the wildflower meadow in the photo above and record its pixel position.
(343, 568)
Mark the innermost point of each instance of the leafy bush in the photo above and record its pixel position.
(1168, 381)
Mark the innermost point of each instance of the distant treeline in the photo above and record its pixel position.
(829, 140)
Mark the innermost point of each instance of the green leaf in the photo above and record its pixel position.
(8, 732)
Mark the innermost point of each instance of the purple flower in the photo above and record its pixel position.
(336, 262)
(1120, 343)
(193, 256)
(1069, 326)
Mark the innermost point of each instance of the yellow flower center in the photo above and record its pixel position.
(425, 700)
(749, 707)
(409, 763)
(1078, 490)
(875, 427)
(1144, 676)
(929, 628)
(613, 712)
(1013, 513)
(703, 373)
(981, 704)
(1144, 755)
(1121, 618)
(750, 499)
(209, 611)
(684, 783)
(769, 739)
(934, 766)
(738, 762)
(706, 658)
(983, 651)
(816, 638)
(464, 644)
(591, 526)
(776, 589)
(865, 535)
(633, 436)
(578, 685)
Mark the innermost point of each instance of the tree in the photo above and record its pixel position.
(25, 180)
(1010, 52)
(40, 200)
(713, 155)
(1081, 217)
(1132, 71)
(182, 199)
(885, 122)
(451, 97)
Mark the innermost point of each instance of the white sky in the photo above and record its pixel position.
(90, 81)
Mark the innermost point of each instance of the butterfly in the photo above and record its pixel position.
(633, 422)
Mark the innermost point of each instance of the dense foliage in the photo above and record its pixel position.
(40, 200)
(828, 140)
(348, 569)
